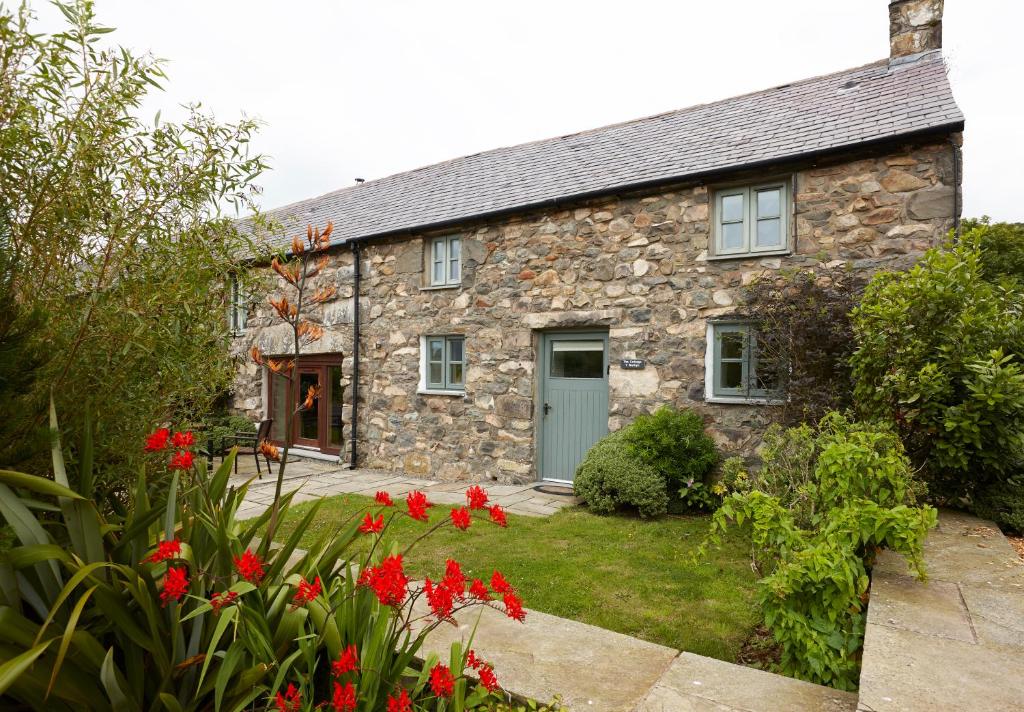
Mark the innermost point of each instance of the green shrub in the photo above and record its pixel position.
(611, 477)
(673, 443)
(1003, 503)
(1002, 247)
(826, 499)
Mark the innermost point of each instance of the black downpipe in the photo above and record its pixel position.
(956, 188)
(356, 258)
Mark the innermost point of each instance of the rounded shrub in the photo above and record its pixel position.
(611, 477)
(674, 444)
(1003, 503)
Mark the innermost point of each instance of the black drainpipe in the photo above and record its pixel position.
(956, 189)
(355, 355)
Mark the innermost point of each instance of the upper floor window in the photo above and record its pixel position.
(238, 312)
(446, 261)
(751, 219)
(731, 365)
(444, 363)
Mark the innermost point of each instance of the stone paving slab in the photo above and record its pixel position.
(694, 683)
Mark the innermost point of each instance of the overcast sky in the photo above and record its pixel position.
(367, 89)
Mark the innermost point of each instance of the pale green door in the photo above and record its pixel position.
(573, 400)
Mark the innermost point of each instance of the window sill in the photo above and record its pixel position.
(739, 400)
(439, 392)
(749, 255)
(436, 287)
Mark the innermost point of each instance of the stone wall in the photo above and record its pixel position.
(636, 265)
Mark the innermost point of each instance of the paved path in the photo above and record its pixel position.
(955, 642)
(322, 479)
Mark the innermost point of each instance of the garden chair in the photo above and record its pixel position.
(250, 443)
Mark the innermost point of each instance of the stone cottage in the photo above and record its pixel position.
(498, 313)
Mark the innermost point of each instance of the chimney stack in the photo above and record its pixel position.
(914, 26)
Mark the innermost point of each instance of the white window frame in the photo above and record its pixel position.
(445, 251)
(238, 309)
(751, 218)
(445, 386)
(747, 395)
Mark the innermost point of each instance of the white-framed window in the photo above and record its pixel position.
(751, 219)
(730, 366)
(238, 310)
(443, 363)
(444, 261)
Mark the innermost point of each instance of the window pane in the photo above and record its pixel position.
(769, 203)
(455, 374)
(436, 352)
(334, 374)
(279, 384)
(769, 233)
(434, 375)
(437, 275)
(577, 359)
(732, 375)
(309, 418)
(438, 246)
(732, 236)
(732, 344)
(732, 208)
(455, 349)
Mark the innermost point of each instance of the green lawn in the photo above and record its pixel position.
(621, 573)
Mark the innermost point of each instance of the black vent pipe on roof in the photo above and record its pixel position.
(356, 259)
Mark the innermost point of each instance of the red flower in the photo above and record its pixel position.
(440, 599)
(473, 661)
(388, 581)
(183, 440)
(514, 607)
(165, 550)
(306, 591)
(219, 600)
(460, 518)
(181, 461)
(498, 515)
(344, 698)
(417, 503)
(157, 441)
(291, 701)
(499, 584)
(488, 679)
(249, 566)
(175, 584)
(477, 497)
(371, 525)
(385, 499)
(401, 704)
(441, 681)
(478, 589)
(348, 661)
(453, 579)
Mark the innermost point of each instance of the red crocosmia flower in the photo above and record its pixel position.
(344, 697)
(175, 584)
(440, 599)
(417, 503)
(488, 679)
(388, 581)
(181, 461)
(165, 550)
(219, 600)
(400, 704)
(477, 497)
(478, 589)
(499, 584)
(453, 579)
(384, 498)
(514, 607)
(461, 519)
(291, 701)
(371, 525)
(157, 441)
(498, 515)
(441, 680)
(249, 566)
(306, 591)
(348, 661)
(473, 661)
(183, 440)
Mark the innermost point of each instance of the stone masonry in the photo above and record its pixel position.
(636, 265)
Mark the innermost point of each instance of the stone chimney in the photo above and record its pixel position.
(914, 26)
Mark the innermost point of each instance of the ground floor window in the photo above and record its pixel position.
(731, 370)
(318, 427)
(443, 363)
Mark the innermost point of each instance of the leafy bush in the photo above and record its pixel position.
(805, 338)
(1003, 503)
(673, 443)
(1002, 247)
(181, 607)
(827, 500)
(611, 477)
(938, 353)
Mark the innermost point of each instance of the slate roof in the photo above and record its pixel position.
(875, 102)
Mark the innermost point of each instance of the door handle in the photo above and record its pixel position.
(547, 408)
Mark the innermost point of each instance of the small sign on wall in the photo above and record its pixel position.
(632, 364)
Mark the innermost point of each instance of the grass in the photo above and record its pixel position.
(629, 575)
